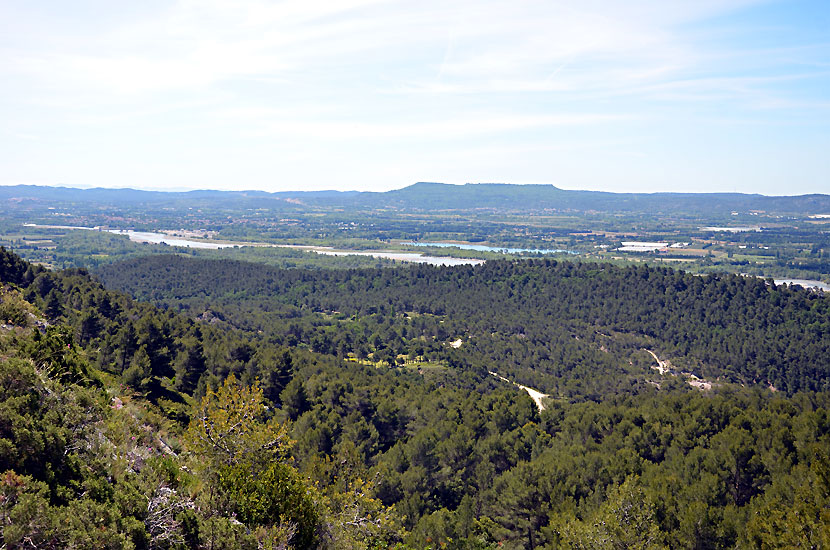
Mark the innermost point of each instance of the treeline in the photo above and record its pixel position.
(109, 447)
(568, 327)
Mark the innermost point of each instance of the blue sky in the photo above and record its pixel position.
(703, 95)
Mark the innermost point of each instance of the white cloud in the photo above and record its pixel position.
(281, 82)
(201, 43)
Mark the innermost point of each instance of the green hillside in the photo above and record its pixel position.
(123, 425)
(571, 329)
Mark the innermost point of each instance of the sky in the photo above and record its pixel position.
(633, 96)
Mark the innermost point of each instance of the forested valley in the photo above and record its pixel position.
(576, 329)
(232, 405)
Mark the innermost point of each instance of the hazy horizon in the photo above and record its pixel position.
(187, 190)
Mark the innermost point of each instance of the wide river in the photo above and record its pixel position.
(806, 283)
(483, 248)
(162, 238)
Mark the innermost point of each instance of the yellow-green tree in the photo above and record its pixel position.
(231, 426)
(244, 454)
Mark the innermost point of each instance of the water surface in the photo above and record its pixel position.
(414, 257)
(806, 283)
(483, 248)
(161, 238)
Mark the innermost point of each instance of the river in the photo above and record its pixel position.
(162, 238)
(413, 257)
(484, 248)
(806, 283)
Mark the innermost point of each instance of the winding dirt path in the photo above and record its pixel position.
(536, 395)
(691, 379)
(662, 366)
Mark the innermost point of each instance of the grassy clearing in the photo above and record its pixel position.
(418, 364)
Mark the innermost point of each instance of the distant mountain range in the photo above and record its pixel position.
(425, 196)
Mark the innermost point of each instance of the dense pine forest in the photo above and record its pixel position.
(231, 405)
(575, 329)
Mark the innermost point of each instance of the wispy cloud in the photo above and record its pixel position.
(520, 78)
(469, 45)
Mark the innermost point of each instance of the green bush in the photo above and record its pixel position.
(276, 496)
